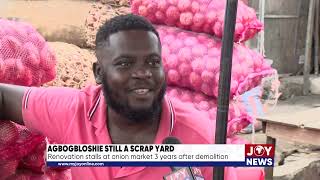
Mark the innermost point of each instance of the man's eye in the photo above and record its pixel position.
(123, 64)
(155, 62)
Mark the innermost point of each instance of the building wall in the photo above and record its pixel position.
(285, 32)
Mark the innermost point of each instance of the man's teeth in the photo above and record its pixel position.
(141, 91)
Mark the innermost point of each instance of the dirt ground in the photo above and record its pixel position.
(53, 12)
(56, 20)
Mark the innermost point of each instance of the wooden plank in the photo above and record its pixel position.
(277, 120)
(308, 118)
(274, 16)
(316, 39)
(261, 37)
(313, 125)
(264, 126)
(301, 135)
(308, 50)
(303, 117)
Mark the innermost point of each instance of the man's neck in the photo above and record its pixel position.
(125, 131)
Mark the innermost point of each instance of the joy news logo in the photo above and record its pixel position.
(259, 154)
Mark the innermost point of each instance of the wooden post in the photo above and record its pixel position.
(225, 79)
(261, 34)
(316, 38)
(269, 170)
(308, 52)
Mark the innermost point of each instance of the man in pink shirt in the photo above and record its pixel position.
(128, 106)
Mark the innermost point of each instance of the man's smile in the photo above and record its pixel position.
(141, 91)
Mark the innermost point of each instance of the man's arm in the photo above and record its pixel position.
(49, 111)
(11, 102)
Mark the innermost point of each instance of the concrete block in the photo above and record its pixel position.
(291, 86)
(315, 85)
(299, 167)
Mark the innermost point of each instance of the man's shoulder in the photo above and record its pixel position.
(87, 93)
(90, 95)
(194, 122)
(91, 90)
(86, 96)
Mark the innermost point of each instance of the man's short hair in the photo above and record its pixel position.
(122, 23)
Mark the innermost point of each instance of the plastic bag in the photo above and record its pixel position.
(206, 16)
(263, 98)
(192, 60)
(25, 57)
(238, 117)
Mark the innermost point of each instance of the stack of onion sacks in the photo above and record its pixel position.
(25, 59)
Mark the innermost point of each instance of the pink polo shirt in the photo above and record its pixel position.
(74, 116)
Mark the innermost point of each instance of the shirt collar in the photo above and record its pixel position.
(167, 121)
(98, 117)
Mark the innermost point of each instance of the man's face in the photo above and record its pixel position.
(132, 74)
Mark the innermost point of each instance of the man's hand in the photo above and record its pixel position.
(11, 102)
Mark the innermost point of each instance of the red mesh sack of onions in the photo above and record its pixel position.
(33, 166)
(25, 57)
(50, 174)
(206, 16)
(237, 119)
(16, 142)
(22, 155)
(192, 60)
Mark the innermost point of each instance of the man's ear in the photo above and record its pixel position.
(97, 71)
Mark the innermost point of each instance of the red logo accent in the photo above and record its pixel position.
(259, 150)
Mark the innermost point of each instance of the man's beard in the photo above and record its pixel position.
(134, 115)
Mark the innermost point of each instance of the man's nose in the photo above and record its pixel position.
(142, 73)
